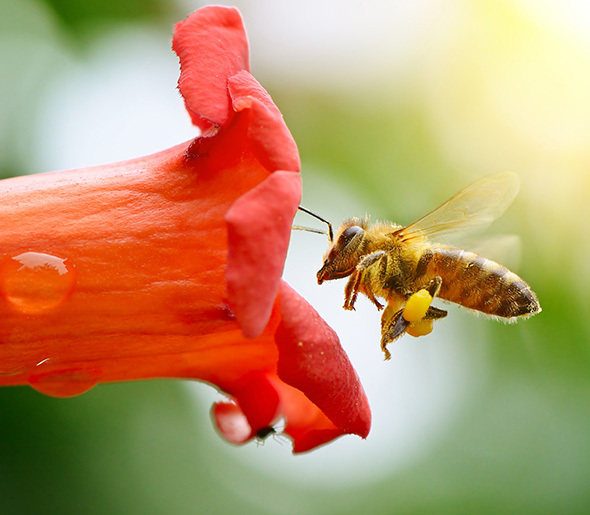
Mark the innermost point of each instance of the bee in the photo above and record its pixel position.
(405, 267)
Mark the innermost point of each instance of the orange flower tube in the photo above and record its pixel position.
(169, 266)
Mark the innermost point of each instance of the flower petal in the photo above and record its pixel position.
(259, 400)
(212, 46)
(312, 360)
(306, 424)
(231, 422)
(269, 136)
(259, 229)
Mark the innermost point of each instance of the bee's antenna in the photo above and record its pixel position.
(308, 229)
(330, 232)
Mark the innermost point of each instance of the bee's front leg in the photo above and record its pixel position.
(349, 294)
(356, 279)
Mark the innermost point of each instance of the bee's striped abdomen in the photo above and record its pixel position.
(478, 283)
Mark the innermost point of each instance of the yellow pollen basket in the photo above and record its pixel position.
(417, 306)
(421, 328)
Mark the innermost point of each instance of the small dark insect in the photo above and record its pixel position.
(264, 432)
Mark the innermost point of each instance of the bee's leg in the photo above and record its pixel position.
(393, 324)
(392, 329)
(435, 313)
(423, 326)
(418, 303)
(373, 299)
(354, 282)
(433, 287)
(349, 294)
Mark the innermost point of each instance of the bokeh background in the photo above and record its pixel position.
(395, 106)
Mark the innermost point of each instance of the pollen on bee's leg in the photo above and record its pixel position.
(417, 306)
(420, 328)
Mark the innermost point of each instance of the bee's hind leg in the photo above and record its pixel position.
(392, 327)
(418, 303)
(415, 317)
(435, 313)
(433, 287)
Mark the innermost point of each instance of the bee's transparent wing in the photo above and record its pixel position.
(474, 207)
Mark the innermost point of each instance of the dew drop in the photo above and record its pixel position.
(35, 283)
(67, 382)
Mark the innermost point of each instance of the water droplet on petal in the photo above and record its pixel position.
(35, 283)
(65, 382)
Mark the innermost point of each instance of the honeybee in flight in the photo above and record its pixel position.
(404, 266)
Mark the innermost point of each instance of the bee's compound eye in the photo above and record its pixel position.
(349, 234)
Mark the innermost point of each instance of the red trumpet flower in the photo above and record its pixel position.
(170, 265)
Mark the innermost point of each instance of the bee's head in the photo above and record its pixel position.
(345, 251)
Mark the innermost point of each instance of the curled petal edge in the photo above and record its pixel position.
(259, 229)
(316, 394)
(269, 136)
(212, 46)
(312, 360)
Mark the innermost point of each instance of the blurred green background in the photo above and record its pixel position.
(395, 107)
